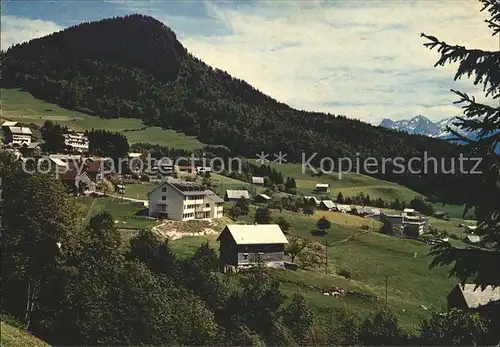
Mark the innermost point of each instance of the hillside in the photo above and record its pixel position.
(13, 337)
(134, 67)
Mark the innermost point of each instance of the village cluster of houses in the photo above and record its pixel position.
(18, 139)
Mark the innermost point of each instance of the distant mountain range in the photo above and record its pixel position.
(421, 125)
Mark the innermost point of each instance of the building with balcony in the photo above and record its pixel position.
(16, 136)
(182, 200)
(78, 142)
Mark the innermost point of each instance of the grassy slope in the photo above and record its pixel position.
(38, 111)
(369, 257)
(351, 184)
(125, 212)
(14, 337)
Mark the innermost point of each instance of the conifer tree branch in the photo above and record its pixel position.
(480, 63)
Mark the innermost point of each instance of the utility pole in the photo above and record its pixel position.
(326, 257)
(386, 277)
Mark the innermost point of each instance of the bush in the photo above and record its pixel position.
(365, 227)
(345, 273)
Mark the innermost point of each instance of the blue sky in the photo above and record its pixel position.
(364, 59)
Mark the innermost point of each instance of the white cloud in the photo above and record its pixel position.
(363, 60)
(19, 29)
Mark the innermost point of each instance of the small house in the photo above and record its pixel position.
(468, 297)
(77, 182)
(472, 239)
(321, 187)
(409, 212)
(134, 155)
(439, 214)
(262, 198)
(414, 229)
(203, 169)
(245, 245)
(344, 208)
(258, 180)
(470, 229)
(235, 195)
(327, 205)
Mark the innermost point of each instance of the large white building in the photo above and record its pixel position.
(16, 135)
(77, 141)
(181, 200)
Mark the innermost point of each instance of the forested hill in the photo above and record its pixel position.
(134, 66)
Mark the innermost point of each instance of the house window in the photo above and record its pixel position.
(164, 189)
(207, 205)
(164, 198)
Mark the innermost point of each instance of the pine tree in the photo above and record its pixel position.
(481, 191)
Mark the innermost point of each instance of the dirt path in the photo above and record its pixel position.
(174, 230)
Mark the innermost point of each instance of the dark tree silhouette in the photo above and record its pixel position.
(482, 191)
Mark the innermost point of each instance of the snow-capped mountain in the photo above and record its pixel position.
(420, 125)
(423, 126)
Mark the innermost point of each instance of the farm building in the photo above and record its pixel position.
(262, 198)
(344, 208)
(321, 187)
(466, 297)
(235, 195)
(77, 182)
(328, 205)
(308, 199)
(258, 180)
(244, 245)
(473, 239)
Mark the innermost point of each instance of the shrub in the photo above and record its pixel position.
(345, 273)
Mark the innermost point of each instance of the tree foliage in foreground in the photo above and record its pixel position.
(84, 288)
(479, 264)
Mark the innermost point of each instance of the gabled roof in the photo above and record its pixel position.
(237, 194)
(20, 130)
(473, 238)
(322, 185)
(328, 203)
(255, 234)
(134, 155)
(257, 180)
(267, 197)
(9, 124)
(58, 162)
(182, 187)
(408, 210)
(33, 145)
(346, 208)
(478, 297)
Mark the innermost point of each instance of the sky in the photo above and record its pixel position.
(362, 59)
